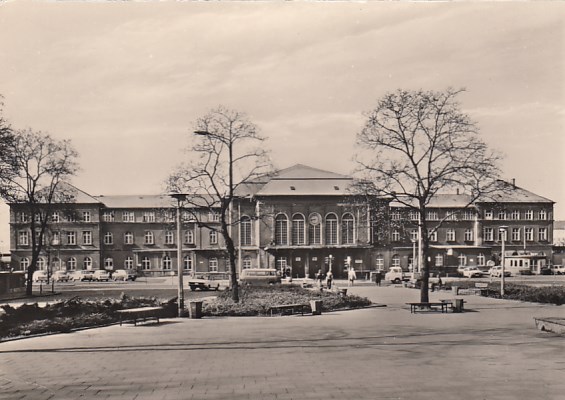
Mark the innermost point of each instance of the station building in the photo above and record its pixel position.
(299, 220)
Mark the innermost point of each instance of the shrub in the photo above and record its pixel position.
(258, 300)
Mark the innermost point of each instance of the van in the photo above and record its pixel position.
(259, 276)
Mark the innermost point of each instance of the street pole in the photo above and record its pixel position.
(179, 197)
(502, 231)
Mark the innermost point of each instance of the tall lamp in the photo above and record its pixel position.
(502, 230)
(179, 197)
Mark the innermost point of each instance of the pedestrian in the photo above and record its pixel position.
(378, 278)
(439, 283)
(319, 278)
(329, 279)
(351, 276)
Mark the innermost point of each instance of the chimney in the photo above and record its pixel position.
(457, 190)
(514, 183)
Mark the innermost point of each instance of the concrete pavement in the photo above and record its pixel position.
(492, 351)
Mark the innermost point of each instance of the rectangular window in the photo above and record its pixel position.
(414, 235)
(108, 238)
(432, 216)
(170, 216)
(55, 217)
(108, 216)
(450, 235)
(23, 217)
(395, 236)
(71, 238)
(87, 237)
(468, 215)
(488, 214)
(213, 265)
(213, 217)
(395, 215)
(488, 234)
(468, 235)
(414, 216)
(501, 215)
(149, 216)
(245, 233)
(23, 238)
(56, 239)
(128, 216)
(515, 215)
(86, 216)
(432, 234)
(516, 234)
(542, 234)
(281, 263)
(543, 215)
(529, 215)
(529, 234)
(213, 237)
(451, 215)
(170, 237)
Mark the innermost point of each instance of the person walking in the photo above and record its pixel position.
(378, 278)
(351, 276)
(329, 279)
(319, 278)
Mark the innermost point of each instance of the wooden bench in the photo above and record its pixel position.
(456, 304)
(287, 309)
(429, 306)
(141, 313)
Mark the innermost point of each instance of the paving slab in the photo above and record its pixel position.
(491, 351)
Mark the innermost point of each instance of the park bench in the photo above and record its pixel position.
(287, 309)
(481, 288)
(429, 306)
(141, 313)
(456, 304)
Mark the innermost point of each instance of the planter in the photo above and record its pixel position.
(195, 309)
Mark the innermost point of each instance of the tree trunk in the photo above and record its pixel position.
(233, 268)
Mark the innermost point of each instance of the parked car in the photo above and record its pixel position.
(496, 272)
(82, 275)
(124, 275)
(472, 272)
(61, 276)
(259, 276)
(557, 269)
(209, 281)
(101, 275)
(39, 276)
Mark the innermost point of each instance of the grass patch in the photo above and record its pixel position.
(255, 301)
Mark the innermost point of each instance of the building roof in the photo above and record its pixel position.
(510, 193)
(301, 180)
(137, 201)
(443, 201)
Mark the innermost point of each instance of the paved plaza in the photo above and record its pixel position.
(492, 351)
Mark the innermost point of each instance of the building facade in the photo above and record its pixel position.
(299, 221)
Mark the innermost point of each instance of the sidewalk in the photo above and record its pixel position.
(492, 351)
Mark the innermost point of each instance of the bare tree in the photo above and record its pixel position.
(33, 169)
(227, 154)
(417, 144)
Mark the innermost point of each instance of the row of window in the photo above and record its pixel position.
(71, 238)
(439, 260)
(333, 232)
(469, 215)
(488, 235)
(57, 216)
(151, 216)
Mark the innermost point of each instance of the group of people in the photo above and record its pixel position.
(329, 277)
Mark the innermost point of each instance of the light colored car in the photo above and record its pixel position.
(472, 272)
(124, 275)
(40, 276)
(557, 269)
(82, 275)
(209, 281)
(496, 272)
(101, 275)
(61, 276)
(260, 276)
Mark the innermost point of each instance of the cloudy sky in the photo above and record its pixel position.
(125, 81)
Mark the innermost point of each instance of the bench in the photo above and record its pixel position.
(456, 304)
(141, 313)
(481, 288)
(287, 309)
(429, 306)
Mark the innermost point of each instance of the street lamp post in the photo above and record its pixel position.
(330, 258)
(179, 197)
(502, 230)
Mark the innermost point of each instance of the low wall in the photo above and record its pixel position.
(12, 284)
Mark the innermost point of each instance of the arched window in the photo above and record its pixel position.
(24, 263)
(281, 230)
(146, 263)
(347, 229)
(108, 238)
(149, 239)
(56, 263)
(462, 260)
(128, 263)
(396, 260)
(245, 231)
(380, 262)
(331, 229)
(187, 263)
(481, 259)
(128, 238)
(315, 229)
(109, 263)
(246, 262)
(87, 263)
(189, 237)
(41, 265)
(72, 264)
(169, 237)
(167, 262)
(298, 234)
